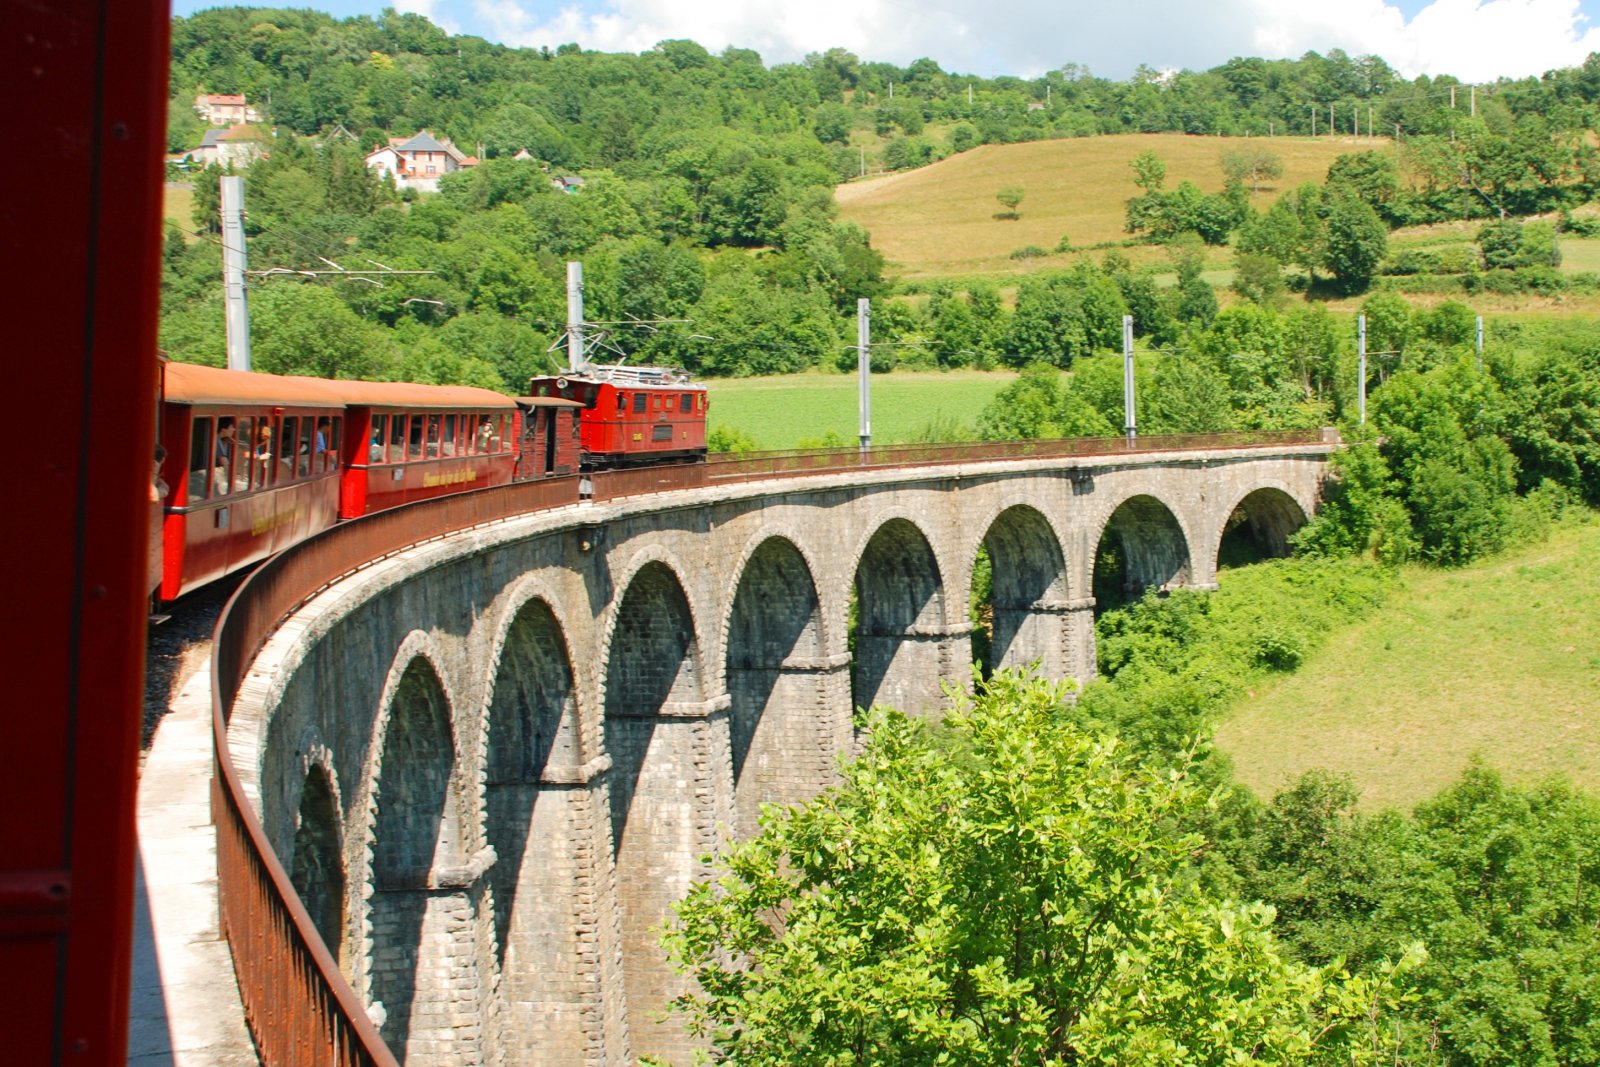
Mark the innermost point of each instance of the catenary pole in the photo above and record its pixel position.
(576, 361)
(1361, 369)
(864, 369)
(237, 312)
(1129, 423)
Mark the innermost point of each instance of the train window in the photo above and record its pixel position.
(687, 402)
(397, 439)
(432, 444)
(222, 456)
(469, 434)
(313, 442)
(639, 401)
(266, 465)
(447, 441)
(414, 431)
(199, 458)
(330, 440)
(670, 402)
(622, 401)
(287, 436)
(244, 454)
(380, 426)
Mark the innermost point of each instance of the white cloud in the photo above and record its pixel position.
(1473, 39)
(431, 10)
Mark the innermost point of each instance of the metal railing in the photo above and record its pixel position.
(297, 1003)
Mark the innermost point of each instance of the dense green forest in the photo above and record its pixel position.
(706, 214)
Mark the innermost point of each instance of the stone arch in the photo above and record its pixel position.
(902, 632)
(316, 859)
(1259, 526)
(537, 818)
(1030, 602)
(784, 724)
(668, 785)
(1151, 546)
(416, 861)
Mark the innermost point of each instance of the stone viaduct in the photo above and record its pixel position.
(491, 762)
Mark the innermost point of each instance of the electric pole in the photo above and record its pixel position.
(1130, 425)
(237, 314)
(864, 370)
(1361, 370)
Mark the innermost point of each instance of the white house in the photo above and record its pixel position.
(418, 162)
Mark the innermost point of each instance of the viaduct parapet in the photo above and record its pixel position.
(491, 762)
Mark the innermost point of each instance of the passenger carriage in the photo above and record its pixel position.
(414, 442)
(252, 466)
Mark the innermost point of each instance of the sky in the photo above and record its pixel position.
(1475, 40)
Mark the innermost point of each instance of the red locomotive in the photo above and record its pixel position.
(632, 416)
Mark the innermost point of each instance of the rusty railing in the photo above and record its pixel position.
(297, 1003)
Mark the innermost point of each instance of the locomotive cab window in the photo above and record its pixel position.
(622, 401)
(687, 402)
(639, 401)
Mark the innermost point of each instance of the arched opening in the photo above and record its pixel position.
(317, 866)
(532, 730)
(416, 831)
(664, 785)
(782, 744)
(1259, 528)
(899, 621)
(1142, 547)
(1019, 594)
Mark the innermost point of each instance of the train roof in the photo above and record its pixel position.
(408, 395)
(189, 383)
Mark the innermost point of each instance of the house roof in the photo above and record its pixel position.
(422, 142)
(225, 98)
(212, 137)
(242, 132)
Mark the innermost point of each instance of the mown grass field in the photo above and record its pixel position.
(177, 207)
(786, 410)
(1499, 660)
(939, 221)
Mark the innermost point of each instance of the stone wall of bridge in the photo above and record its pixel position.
(493, 761)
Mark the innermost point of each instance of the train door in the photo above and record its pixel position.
(549, 441)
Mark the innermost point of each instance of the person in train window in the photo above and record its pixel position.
(222, 457)
(263, 455)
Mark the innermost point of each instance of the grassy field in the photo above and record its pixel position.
(1500, 660)
(940, 220)
(177, 207)
(783, 411)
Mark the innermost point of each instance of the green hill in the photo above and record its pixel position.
(941, 220)
(1499, 660)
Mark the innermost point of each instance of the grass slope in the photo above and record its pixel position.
(940, 220)
(780, 411)
(1500, 660)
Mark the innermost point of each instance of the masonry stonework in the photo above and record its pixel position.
(494, 761)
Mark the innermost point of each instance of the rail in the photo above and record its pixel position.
(299, 1007)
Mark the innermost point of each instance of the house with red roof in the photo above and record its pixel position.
(418, 162)
(225, 109)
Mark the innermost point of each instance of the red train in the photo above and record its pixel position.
(256, 462)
